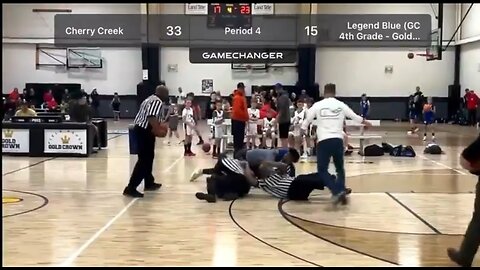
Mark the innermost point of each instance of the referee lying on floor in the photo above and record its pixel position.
(147, 126)
(281, 185)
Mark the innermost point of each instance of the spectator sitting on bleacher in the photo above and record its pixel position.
(81, 112)
(52, 104)
(25, 110)
(48, 96)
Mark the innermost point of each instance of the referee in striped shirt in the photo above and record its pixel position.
(147, 122)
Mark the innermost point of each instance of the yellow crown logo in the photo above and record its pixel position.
(65, 139)
(8, 133)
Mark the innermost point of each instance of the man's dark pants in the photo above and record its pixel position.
(238, 132)
(472, 117)
(303, 185)
(224, 181)
(146, 153)
(327, 149)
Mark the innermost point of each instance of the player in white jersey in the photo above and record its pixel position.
(295, 135)
(218, 127)
(269, 130)
(252, 130)
(188, 126)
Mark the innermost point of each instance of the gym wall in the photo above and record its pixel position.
(23, 29)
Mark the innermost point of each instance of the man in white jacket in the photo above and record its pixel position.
(330, 114)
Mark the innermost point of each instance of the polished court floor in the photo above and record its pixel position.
(70, 211)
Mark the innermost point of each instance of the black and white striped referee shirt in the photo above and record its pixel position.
(234, 165)
(151, 106)
(276, 185)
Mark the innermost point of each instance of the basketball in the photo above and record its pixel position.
(206, 147)
(410, 55)
(161, 131)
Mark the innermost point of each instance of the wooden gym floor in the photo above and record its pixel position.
(70, 211)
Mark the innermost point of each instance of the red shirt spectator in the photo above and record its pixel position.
(48, 96)
(14, 95)
(52, 104)
(265, 109)
(239, 106)
(472, 100)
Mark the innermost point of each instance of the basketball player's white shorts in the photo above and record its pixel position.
(218, 131)
(296, 132)
(189, 131)
(252, 129)
(269, 132)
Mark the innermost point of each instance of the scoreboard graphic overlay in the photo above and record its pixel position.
(239, 36)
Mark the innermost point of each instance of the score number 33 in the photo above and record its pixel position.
(174, 30)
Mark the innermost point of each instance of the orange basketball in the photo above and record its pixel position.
(161, 130)
(206, 147)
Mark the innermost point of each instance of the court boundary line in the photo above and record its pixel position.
(230, 212)
(443, 165)
(366, 230)
(94, 237)
(45, 202)
(284, 214)
(414, 214)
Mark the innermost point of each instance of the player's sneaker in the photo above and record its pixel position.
(196, 174)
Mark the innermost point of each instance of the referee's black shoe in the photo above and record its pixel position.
(153, 187)
(132, 193)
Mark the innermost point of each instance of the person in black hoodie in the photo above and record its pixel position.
(470, 160)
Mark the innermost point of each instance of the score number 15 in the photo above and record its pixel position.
(311, 30)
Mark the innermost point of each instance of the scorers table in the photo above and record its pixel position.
(48, 136)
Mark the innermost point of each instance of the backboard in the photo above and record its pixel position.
(84, 58)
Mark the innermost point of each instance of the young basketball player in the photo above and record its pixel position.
(429, 118)
(269, 130)
(364, 106)
(252, 130)
(173, 119)
(218, 120)
(297, 120)
(115, 106)
(189, 127)
(412, 115)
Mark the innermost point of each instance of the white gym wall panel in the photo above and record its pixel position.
(121, 73)
(22, 28)
(470, 66)
(189, 76)
(471, 25)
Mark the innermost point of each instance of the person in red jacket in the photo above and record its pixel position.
(48, 96)
(52, 104)
(472, 100)
(239, 117)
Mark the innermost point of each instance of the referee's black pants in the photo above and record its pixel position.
(146, 153)
(303, 185)
(225, 181)
(238, 132)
